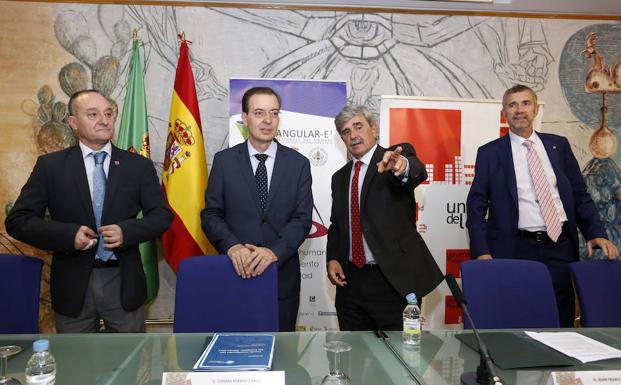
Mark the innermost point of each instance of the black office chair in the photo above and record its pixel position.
(19, 294)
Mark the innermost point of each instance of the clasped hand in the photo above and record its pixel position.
(250, 260)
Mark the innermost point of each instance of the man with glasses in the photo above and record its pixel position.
(258, 203)
(93, 193)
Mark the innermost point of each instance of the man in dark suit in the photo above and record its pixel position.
(375, 255)
(258, 203)
(528, 198)
(90, 282)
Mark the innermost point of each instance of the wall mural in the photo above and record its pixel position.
(77, 46)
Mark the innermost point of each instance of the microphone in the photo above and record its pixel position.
(485, 370)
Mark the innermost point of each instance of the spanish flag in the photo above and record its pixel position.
(184, 178)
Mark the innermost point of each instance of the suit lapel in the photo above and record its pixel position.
(78, 170)
(278, 173)
(243, 160)
(552, 151)
(113, 181)
(505, 157)
(371, 172)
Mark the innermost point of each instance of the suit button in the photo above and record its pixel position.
(263, 221)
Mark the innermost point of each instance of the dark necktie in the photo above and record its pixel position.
(260, 177)
(99, 193)
(544, 195)
(357, 249)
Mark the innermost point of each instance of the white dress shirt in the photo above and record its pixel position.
(269, 162)
(89, 162)
(530, 217)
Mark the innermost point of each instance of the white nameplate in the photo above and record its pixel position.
(595, 377)
(224, 378)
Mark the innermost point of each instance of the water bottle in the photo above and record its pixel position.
(41, 367)
(411, 322)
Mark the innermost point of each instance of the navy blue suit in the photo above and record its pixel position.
(233, 213)
(494, 193)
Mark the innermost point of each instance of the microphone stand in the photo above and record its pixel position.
(485, 374)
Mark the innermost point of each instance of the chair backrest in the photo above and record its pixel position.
(509, 293)
(598, 284)
(20, 281)
(211, 297)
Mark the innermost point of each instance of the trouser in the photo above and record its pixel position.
(103, 301)
(556, 256)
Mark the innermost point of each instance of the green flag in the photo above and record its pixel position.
(134, 137)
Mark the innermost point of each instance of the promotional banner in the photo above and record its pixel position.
(306, 125)
(446, 134)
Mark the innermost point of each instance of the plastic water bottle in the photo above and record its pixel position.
(411, 322)
(41, 367)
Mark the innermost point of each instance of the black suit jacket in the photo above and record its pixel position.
(58, 184)
(233, 213)
(388, 221)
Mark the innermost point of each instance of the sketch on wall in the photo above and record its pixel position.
(590, 75)
(375, 53)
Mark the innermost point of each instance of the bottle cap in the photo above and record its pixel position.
(411, 298)
(40, 345)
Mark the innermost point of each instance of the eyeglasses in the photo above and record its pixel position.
(262, 114)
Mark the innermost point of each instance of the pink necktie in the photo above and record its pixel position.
(357, 250)
(544, 195)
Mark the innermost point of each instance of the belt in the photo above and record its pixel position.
(100, 264)
(365, 267)
(538, 236)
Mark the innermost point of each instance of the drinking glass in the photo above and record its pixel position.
(5, 353)
(336, 375)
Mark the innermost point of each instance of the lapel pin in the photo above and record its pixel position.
(116, 162)
(554, 147)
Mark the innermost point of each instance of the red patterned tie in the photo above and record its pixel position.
(357, 250)
(544, 195)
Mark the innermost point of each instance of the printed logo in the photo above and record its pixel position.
(456, 213)
(318, 156)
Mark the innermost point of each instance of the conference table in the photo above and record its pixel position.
(375, 358)
(442, 358)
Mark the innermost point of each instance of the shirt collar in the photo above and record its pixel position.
(86, 151)
(516, 139)
(271, 150)
(366, 158)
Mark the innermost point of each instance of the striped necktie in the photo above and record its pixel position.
(544, 195)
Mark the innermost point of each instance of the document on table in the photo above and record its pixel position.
(576, 345)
